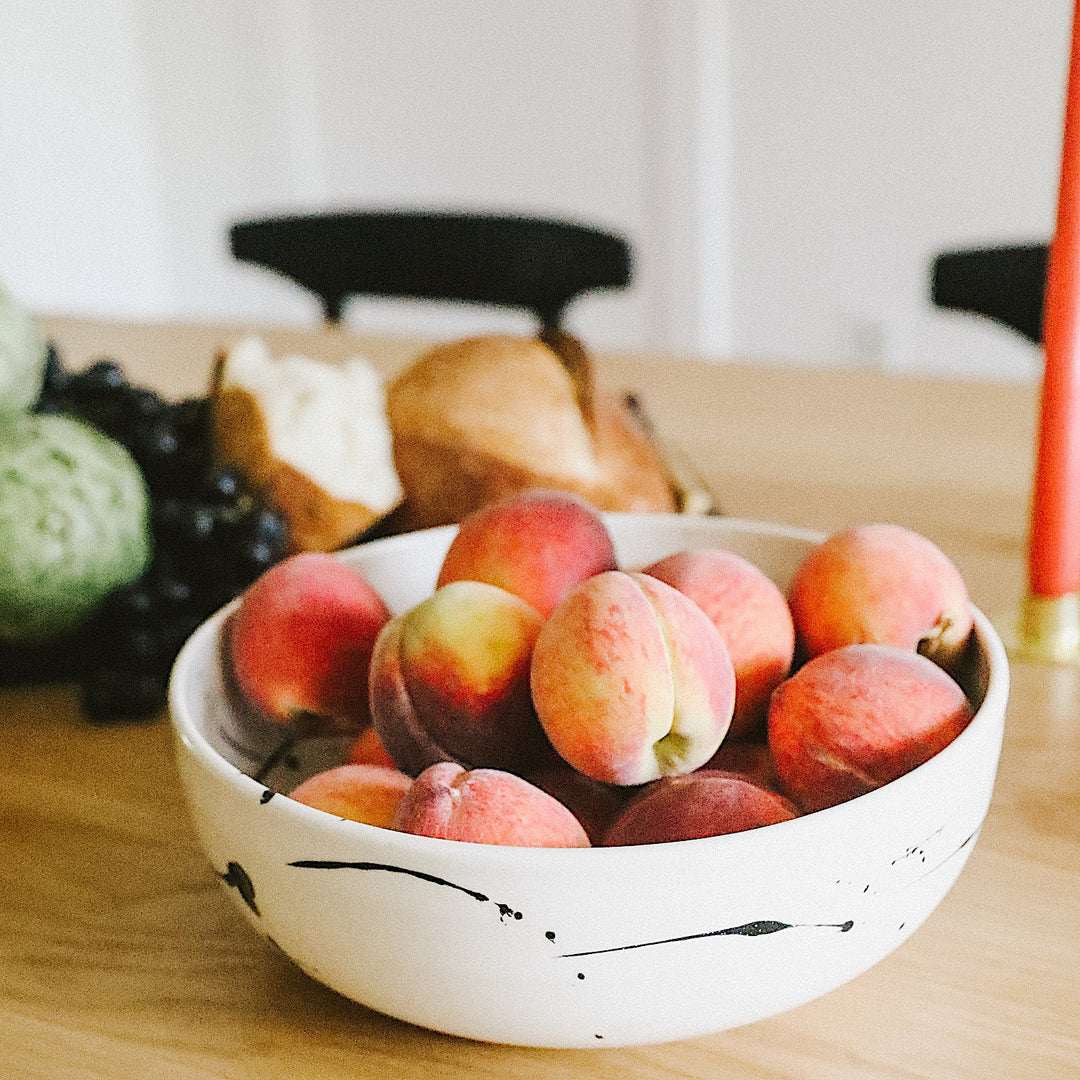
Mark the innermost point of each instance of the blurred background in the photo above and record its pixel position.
(785, 169)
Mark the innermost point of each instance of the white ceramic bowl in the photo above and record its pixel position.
(580, 947)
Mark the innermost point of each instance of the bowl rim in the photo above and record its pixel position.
(187, 733)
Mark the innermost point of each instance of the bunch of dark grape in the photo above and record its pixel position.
(212, 537)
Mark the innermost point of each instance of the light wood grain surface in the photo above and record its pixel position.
(121, 957)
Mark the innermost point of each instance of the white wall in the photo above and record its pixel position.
(869, 134)
(80, 220)
(786, 169)
(188, 116)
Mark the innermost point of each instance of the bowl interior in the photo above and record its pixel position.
(404, 570)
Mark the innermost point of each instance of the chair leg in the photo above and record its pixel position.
(333, 308)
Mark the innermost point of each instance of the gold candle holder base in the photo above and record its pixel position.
(1045, 629)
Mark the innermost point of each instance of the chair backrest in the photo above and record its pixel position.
(1006, 283)
(505, 260)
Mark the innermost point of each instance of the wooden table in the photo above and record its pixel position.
(121, 957)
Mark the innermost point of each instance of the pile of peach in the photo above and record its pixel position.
(543, 696)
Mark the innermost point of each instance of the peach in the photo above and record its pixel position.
(631, 680)
(367, 793)
(704, 803)
(537, 544)
(857, 717)
(486, 806)
(750, 759)
(594, 803)
(300, 641)
(752, 616)
(881, 583)
(450, 680)
(367, 749)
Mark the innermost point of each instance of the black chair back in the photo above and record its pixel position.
(537, 264)
(1006, 283)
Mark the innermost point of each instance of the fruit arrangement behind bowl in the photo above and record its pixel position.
(728, 872)
(466, 422)
(203, 531)
(282, 454)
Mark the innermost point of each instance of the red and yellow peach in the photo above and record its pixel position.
(450, 680)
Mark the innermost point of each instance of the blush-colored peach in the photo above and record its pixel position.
(703, 803)
(367, 749)
(300, 641)
(367, 793)
(486, 806)
(752, 616)
(858, 717)
(537, 544)
(882, 584)
(631, 680)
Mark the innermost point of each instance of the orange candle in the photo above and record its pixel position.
(1054, 548)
